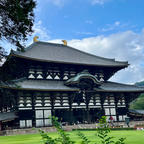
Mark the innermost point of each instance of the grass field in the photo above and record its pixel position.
(132, 137)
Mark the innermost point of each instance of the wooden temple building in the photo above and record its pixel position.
(55, 79)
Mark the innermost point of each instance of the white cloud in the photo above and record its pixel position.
(118, 26)
(39, 31)
(84, 33)
(124, 46)
(59, 3)
(110, 27)
(117, 23)
(89, 21)
(100, 2)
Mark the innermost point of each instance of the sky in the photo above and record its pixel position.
(107, 28)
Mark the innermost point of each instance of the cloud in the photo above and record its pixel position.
(84, 33)
(99, 2)
(40, 31)
(89, 22)
(123, 46)
(114, 26)
(59, 3)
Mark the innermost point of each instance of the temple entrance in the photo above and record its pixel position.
(96, 114)
(79, 115)
(63, 115)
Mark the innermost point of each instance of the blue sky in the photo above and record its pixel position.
(107, 28)
(71, 19)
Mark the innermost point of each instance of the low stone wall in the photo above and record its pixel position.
(67, 128)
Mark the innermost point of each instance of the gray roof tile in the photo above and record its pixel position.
(39, 85)
(7, 116)
(59, 86)
(44, 51)
(115, 87)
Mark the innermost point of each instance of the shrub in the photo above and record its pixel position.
(102, 132)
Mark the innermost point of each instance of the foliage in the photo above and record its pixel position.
(46, 139)
(16, 21)
(63, 139)
(104, 130)
(3, 53)
(84, 138)
(102, 133)
(138, 103)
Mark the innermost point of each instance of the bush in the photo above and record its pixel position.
(102, 132)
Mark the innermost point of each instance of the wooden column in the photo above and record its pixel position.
(52, 99)
(33, 109)
(0, 125)
(87, 99)
(0, 101)
(70, 100)
(15, 99)
(116, 99)
(102, 99)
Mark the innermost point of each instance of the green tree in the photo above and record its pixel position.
(138, 103)
(16, 21)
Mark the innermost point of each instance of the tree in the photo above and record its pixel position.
(16, 21)
(3, 53)
(138, 103)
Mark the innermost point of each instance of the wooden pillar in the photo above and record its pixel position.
(70, 100)
(52, 99)
(15, 95)
(42, 98)
(0, 125)
(116, 99)
(33, 109)
(87, 99)
(102, 99)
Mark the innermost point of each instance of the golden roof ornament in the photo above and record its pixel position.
(35, 39)
(64, 42)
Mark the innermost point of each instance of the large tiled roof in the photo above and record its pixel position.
(141, 112)
(116, 87)
(50, 85)
(7, 116)
(43, 85)
(50, 52)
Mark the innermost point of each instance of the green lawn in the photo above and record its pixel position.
(132, 137)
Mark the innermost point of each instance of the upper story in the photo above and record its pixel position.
(50, 61)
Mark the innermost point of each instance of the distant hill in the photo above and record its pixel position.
(140, 83)
(138, 103)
